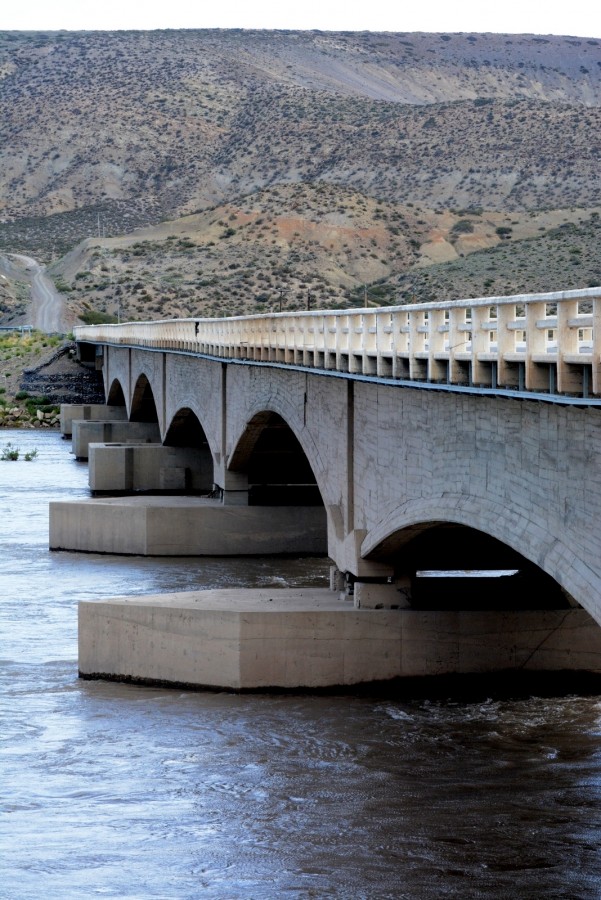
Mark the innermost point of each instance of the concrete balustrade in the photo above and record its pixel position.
(549, 343)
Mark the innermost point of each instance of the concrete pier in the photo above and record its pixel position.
(148, 467)
(93, 412)
(86, 432)
(310, 638)
(184, 526)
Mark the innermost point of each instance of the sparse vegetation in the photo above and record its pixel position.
(10, 453)
(256, 189)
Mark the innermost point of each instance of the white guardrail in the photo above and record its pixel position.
(533, 342)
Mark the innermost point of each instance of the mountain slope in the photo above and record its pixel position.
(294, 167)
(192, 118)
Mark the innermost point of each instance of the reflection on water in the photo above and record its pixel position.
(119, 791)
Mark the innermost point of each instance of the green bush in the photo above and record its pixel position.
(95, 317)
(10, 452)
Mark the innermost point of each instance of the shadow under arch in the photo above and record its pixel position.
(186, 432)
(143, 406)
(450, 566)
(278, 470)
(115, 396)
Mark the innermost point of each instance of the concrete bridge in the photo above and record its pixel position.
(446, 457)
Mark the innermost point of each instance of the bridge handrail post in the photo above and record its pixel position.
(536, 345)
(507, 372)
(237, 337)
(343, 328)
(400, 342)
(418, 328)
(319, 333)
(596, 374)
(481, 373)
(437, 365)
(355, 355)
(459, 338)
(369, 343)
(384, 344)
(569, 378)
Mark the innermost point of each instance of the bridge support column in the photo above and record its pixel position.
(234, 488)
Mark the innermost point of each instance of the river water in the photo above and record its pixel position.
(120, 791)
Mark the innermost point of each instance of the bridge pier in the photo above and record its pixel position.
(151, 525)
(115, 431)
(119, 468)
(310, 638)
(233, 487)
(95, 412)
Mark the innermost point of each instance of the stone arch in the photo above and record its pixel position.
(186, 433)
(276, 463)
(143, 405)
(115, 395)
(532, 541)
(446, 566)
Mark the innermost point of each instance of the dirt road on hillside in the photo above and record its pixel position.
(47, 311)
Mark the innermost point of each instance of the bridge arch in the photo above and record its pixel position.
(278, 467)
(392, 539)
(186, 433)
(446, 566)
(143, 405)
(115, 395)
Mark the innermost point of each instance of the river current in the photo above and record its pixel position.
(129, 792)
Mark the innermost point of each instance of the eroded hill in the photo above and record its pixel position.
(308, 166)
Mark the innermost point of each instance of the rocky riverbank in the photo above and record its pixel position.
(39, 373)
(30, 414)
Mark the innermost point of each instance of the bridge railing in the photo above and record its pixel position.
(533, 342)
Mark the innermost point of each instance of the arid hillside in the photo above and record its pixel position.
(335, 165)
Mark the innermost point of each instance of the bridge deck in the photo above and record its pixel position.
(547, 344)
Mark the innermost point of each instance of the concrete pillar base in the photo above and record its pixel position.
(309, 638)
(379, 596)
(148, 467)
(184, 526)
(113, 432)
(92, 412)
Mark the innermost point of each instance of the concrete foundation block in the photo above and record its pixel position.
(337, 580)
(184, 526)
(114, 432)
(378, 596)
(148, 467)
(309, 638)
(91, 412)
(244, 639)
